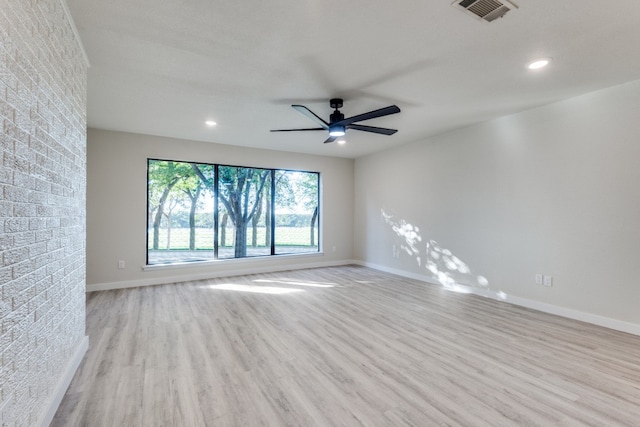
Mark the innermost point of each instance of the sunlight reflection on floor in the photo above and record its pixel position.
(288, 282)
(253, 289)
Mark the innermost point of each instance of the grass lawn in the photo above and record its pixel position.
(285, 236)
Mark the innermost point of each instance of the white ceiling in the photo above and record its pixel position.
(163, 67)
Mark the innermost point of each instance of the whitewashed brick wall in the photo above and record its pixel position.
(42, 203)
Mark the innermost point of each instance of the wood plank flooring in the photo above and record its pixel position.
(343, 346)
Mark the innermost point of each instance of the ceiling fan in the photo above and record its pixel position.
(338, 125)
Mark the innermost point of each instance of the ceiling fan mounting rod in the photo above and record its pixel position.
(335, 103)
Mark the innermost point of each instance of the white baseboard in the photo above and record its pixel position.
(595, 319)
(607, 322)
(63, 383)
(245, 269)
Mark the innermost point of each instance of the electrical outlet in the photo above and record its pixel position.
(121, 264)
(396, 252)
(538, 279)
(548, 281)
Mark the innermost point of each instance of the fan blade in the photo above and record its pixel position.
(313, 116)
(295, 130)
(392, 109)
(374, 129)
(330, 139)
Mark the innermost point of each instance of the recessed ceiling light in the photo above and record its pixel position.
(210, 123)
(341, 141)
(539, 63)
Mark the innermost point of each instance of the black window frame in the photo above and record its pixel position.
(272, 189)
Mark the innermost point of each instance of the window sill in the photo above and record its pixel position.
(231, 261)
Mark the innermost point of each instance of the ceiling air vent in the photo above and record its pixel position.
(487, 10)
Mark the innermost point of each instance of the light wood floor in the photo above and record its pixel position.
(344, 346)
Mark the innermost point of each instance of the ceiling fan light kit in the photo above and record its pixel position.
(337, 131)
(338, 125)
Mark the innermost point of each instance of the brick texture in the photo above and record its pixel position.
(42, 203)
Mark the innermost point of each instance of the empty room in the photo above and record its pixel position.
(319, 213)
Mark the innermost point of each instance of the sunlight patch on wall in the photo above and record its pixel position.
(449, 270)
(408, 232)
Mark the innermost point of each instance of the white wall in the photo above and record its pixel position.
(42, 208)
(554, 190)
(116, 206)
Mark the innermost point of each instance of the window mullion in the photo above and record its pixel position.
(216, 215)
(272, 201)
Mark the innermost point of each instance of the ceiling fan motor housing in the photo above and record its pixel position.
(335, 117)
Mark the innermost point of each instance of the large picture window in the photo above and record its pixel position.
(200, 212)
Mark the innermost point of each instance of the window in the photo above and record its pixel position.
(200, 212)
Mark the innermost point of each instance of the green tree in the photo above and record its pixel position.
(241, 194)
(307, 195)
(171, 180)
(254, 224)
(299, 190)
(163, 176)
(223, 229)
(193, 198)
(284, 197)
(197, 178)
(240, 190)
(168, 214)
